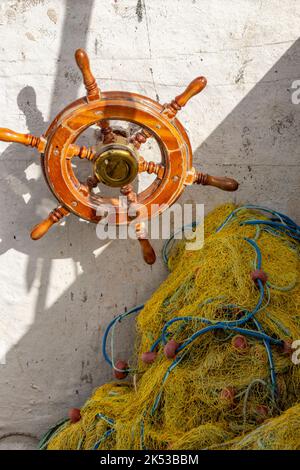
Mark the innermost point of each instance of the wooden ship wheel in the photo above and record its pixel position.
(118, 158)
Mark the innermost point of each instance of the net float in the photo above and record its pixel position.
(121, 370)
(74, 415)
(149, 357)
(171, 348)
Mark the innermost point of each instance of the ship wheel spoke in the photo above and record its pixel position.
(53, 218)
(151, 168)
(221, 182)
(29, 140)
(195, 87)
(140, 230)
(129, 193)
(140, 137)
(171, 109)
(82, 152)
(146, 247)
(107, 132)
(92, 182)
(92, 90)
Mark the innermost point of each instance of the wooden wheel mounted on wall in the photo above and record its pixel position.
(118, 159)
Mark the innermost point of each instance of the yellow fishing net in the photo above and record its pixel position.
(232, 383)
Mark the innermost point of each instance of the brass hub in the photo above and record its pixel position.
(116, 165)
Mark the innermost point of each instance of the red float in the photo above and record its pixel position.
(149, 357)
(120, 371)
(170, 348)
(74, 415)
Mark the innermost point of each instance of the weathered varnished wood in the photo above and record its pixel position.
(7, 135)
(141, 233)
(107, 132)
(81, 152)
(93, 92)
(172, 108)
(151, 167)
(58, 146)
(221, 182)
(130, 194)
(195, 87)
(132, 200)
(42, 228)
(92, 182)
(140, 138)
(146, 247)
(119, 106)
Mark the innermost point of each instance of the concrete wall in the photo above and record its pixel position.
(58, 294)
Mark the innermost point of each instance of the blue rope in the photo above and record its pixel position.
(166, 245)
(109, 327)
(176, 361)
(103, 438)
(258, 252)
(254, 334)
(224, 325)
(281, 216)
(270, 359)
(105, 418)
(142, 435)
(241, 321)
(221, 324)
(156, 343)
(285, 224)
(218, 326)
(277, 226)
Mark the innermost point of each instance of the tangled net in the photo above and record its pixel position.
(226, 317)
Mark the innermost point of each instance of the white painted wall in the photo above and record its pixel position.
(58, 294)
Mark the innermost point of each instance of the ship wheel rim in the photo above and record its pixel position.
(71, 122)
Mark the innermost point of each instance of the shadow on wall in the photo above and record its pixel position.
(28, 396)
(57, 362)
(258, 143)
